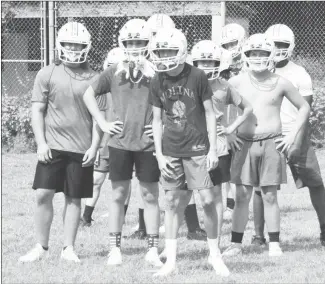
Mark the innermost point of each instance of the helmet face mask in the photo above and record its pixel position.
(168, 39)
(232, 38)
(258, 53)
(284, 41)
(75, 36)
(206, 56)
(134, 39)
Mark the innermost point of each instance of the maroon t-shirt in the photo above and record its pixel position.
(130, 104)
(181, 97)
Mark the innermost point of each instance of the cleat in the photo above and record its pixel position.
(152, 257)
(114, 257)
(139, 234)
(198, 234)
(69, 254)
(219, 266)
(36, 254)
(275, 250)
(258, 241)
(233, 250)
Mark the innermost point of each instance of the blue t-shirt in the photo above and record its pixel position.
(181, 97)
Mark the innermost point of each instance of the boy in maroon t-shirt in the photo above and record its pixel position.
(184, 150)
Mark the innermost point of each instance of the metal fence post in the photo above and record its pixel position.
(51, 33)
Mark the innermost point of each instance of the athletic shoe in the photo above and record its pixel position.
(322, 239)
(233, 250)
(227, 215)
(84, 222)
(139, 234)
(274, 249)
(69, 254)
(198, 234)
(114, 257)
(152, 257)
(219, 266)
(258, 241)
(162, 229)
(37, 253)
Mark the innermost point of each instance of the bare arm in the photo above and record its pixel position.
(157, 129)
(44, 154)
(212, 158)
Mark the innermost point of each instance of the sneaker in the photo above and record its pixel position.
(322, 239)
(275, 250)
(198, 234)
(258, 241)
(114, 257)
(69, 254)
(84, 222)
(138, 234)
(37, 253)
(152, 257)
(233, 250)
(219, 266)
(227, 215)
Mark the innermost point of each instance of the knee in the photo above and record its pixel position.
(270, 198)
(208, 202)
(242, 198)
(119, 196)
(73, 201)
(171, 202)
(150, 198)
(43, 198)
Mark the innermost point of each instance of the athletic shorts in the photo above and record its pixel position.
(102, 162)
(222, 172)
(189, 173)
(122, 162)
(259, 163)
(65, 174)
(304, 165)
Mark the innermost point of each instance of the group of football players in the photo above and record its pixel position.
(233, 113)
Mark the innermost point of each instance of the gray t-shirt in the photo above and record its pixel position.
(68, 123)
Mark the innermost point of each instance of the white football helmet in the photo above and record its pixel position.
(233, 35)
(207, 50)
(158, 21)
(73, 32)
(168, 39)
(282, 34)
(135, 29)
(115, 55)
(261, 43)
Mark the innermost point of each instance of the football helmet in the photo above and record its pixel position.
(158, 21)
(73, 32)
(233, 35)
(261, 43)
(282, 34)
(207, 50)
(168, 39)
(114, 56)
(135, 29)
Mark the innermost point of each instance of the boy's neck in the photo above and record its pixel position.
(260, 76)
(71, 65)
(178, 70)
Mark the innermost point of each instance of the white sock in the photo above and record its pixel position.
(273, 245)
(171, 250)
(214, 247)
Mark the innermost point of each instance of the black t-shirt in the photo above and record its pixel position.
(181, 97)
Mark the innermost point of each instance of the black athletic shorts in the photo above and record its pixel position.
(122, 162)
(65, 174)
(221, 173)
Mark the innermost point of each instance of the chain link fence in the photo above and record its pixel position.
(22, 45)
(104, 20)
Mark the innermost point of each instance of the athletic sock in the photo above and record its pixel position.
(115, 240)
(126, 209)
(88, 212)
(191, 218)
(274, 237)
(231, 203)
(236, 237)
(142, 225)
(153, 240)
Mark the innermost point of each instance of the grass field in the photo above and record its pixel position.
(303, 260)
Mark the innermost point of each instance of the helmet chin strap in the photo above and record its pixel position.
(134, 74)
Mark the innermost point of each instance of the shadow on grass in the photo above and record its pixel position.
(291, 209)
(301, 243)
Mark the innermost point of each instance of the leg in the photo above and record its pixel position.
(272, 218)
(219, 208)
(239, 218)
(230, 190)
(71, 221)
(258, 209)
(99, 178)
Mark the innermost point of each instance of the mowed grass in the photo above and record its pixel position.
(303, 260)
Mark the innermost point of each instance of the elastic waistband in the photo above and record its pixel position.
(258, 137)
